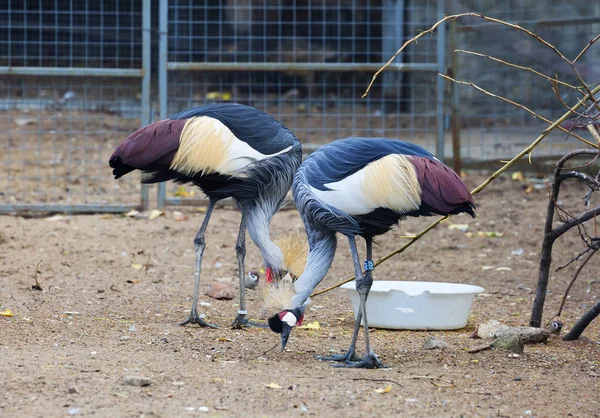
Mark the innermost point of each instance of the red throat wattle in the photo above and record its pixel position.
(269, 275)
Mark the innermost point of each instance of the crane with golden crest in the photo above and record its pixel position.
(228, 150)
(360, 187)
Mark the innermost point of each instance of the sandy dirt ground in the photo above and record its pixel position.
(98, 319)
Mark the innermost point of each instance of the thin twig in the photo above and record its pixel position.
(475, 86)
(478, 189)
(510, 64)
(594, 132)
(564, 299)
(554, 83)
(375, 380)
(36, 275)
(489, 19)
(276, 344)
(584, 50)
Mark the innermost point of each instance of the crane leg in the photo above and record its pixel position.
(363, 286)
(350, 356)
(240, 320)
(200, 244)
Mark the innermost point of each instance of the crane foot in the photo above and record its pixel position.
(194, 318)
(349, 357)
(241, 321)
(370, 361)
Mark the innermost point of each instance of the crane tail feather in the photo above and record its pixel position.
(149, 148)
(443, 191)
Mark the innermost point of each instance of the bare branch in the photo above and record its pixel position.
(583, 322)
(594, 132)
(560, 99)
(585, 261)
(493, 20)
(571, 261)
(475, 86)
(510, 64)
(584, 50)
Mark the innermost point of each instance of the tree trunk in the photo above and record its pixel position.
(542, 286)
(582, 324)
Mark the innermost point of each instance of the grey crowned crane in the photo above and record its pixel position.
(361, 187)
(227, 150)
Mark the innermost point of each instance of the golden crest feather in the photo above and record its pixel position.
(278, 295)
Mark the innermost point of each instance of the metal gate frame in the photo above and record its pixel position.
(164, 67)
(143, 73)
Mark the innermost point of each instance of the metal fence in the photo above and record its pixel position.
(492, 130)
(74, 80)
(307, 63)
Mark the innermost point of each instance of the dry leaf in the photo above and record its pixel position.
(529, 189)
(55, 218)
(517, 176)
(137, 266)
(225, 339)
(215, 95)
(178, 216)
(273, 386)
(382, 390)
(490, 234)
(503, 269)
(155, 214)
(7, 312)
(311, 325)
(181, 191)
(460, 227)
(132, 213)
(108, 216)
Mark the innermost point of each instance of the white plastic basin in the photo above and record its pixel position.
(416, 305)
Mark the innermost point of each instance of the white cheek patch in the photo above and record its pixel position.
(290, 319)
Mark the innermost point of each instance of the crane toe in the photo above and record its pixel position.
(345, 358)
(194, 318)
(370, 361)
(241, 321)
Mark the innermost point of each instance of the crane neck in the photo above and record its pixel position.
(258, 220)
(320, 256)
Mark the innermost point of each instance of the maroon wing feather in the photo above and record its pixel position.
(149, 148)
(442, 189)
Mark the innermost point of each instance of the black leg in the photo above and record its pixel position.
(363, 286)
(240, 320)
(200, 244)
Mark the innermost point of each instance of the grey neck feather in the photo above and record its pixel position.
(320, 256)
(258, 219)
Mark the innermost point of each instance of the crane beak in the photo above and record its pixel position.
(285, 335)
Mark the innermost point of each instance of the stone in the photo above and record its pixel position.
(136, 381)
(433, 343)
(218, 290)
(527, 335)
(510, 342)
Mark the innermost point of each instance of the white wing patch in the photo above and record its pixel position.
(207, 146)
(390, 182)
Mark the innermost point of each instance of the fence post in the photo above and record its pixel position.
(146, 67)
(163, 38)
(441, 58)
(393, 35)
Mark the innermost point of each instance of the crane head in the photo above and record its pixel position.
(273, 275)
(283, 322)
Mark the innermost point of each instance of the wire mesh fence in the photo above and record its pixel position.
(492, 130)
(73, 76)
(307, 63)
(75, 80)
